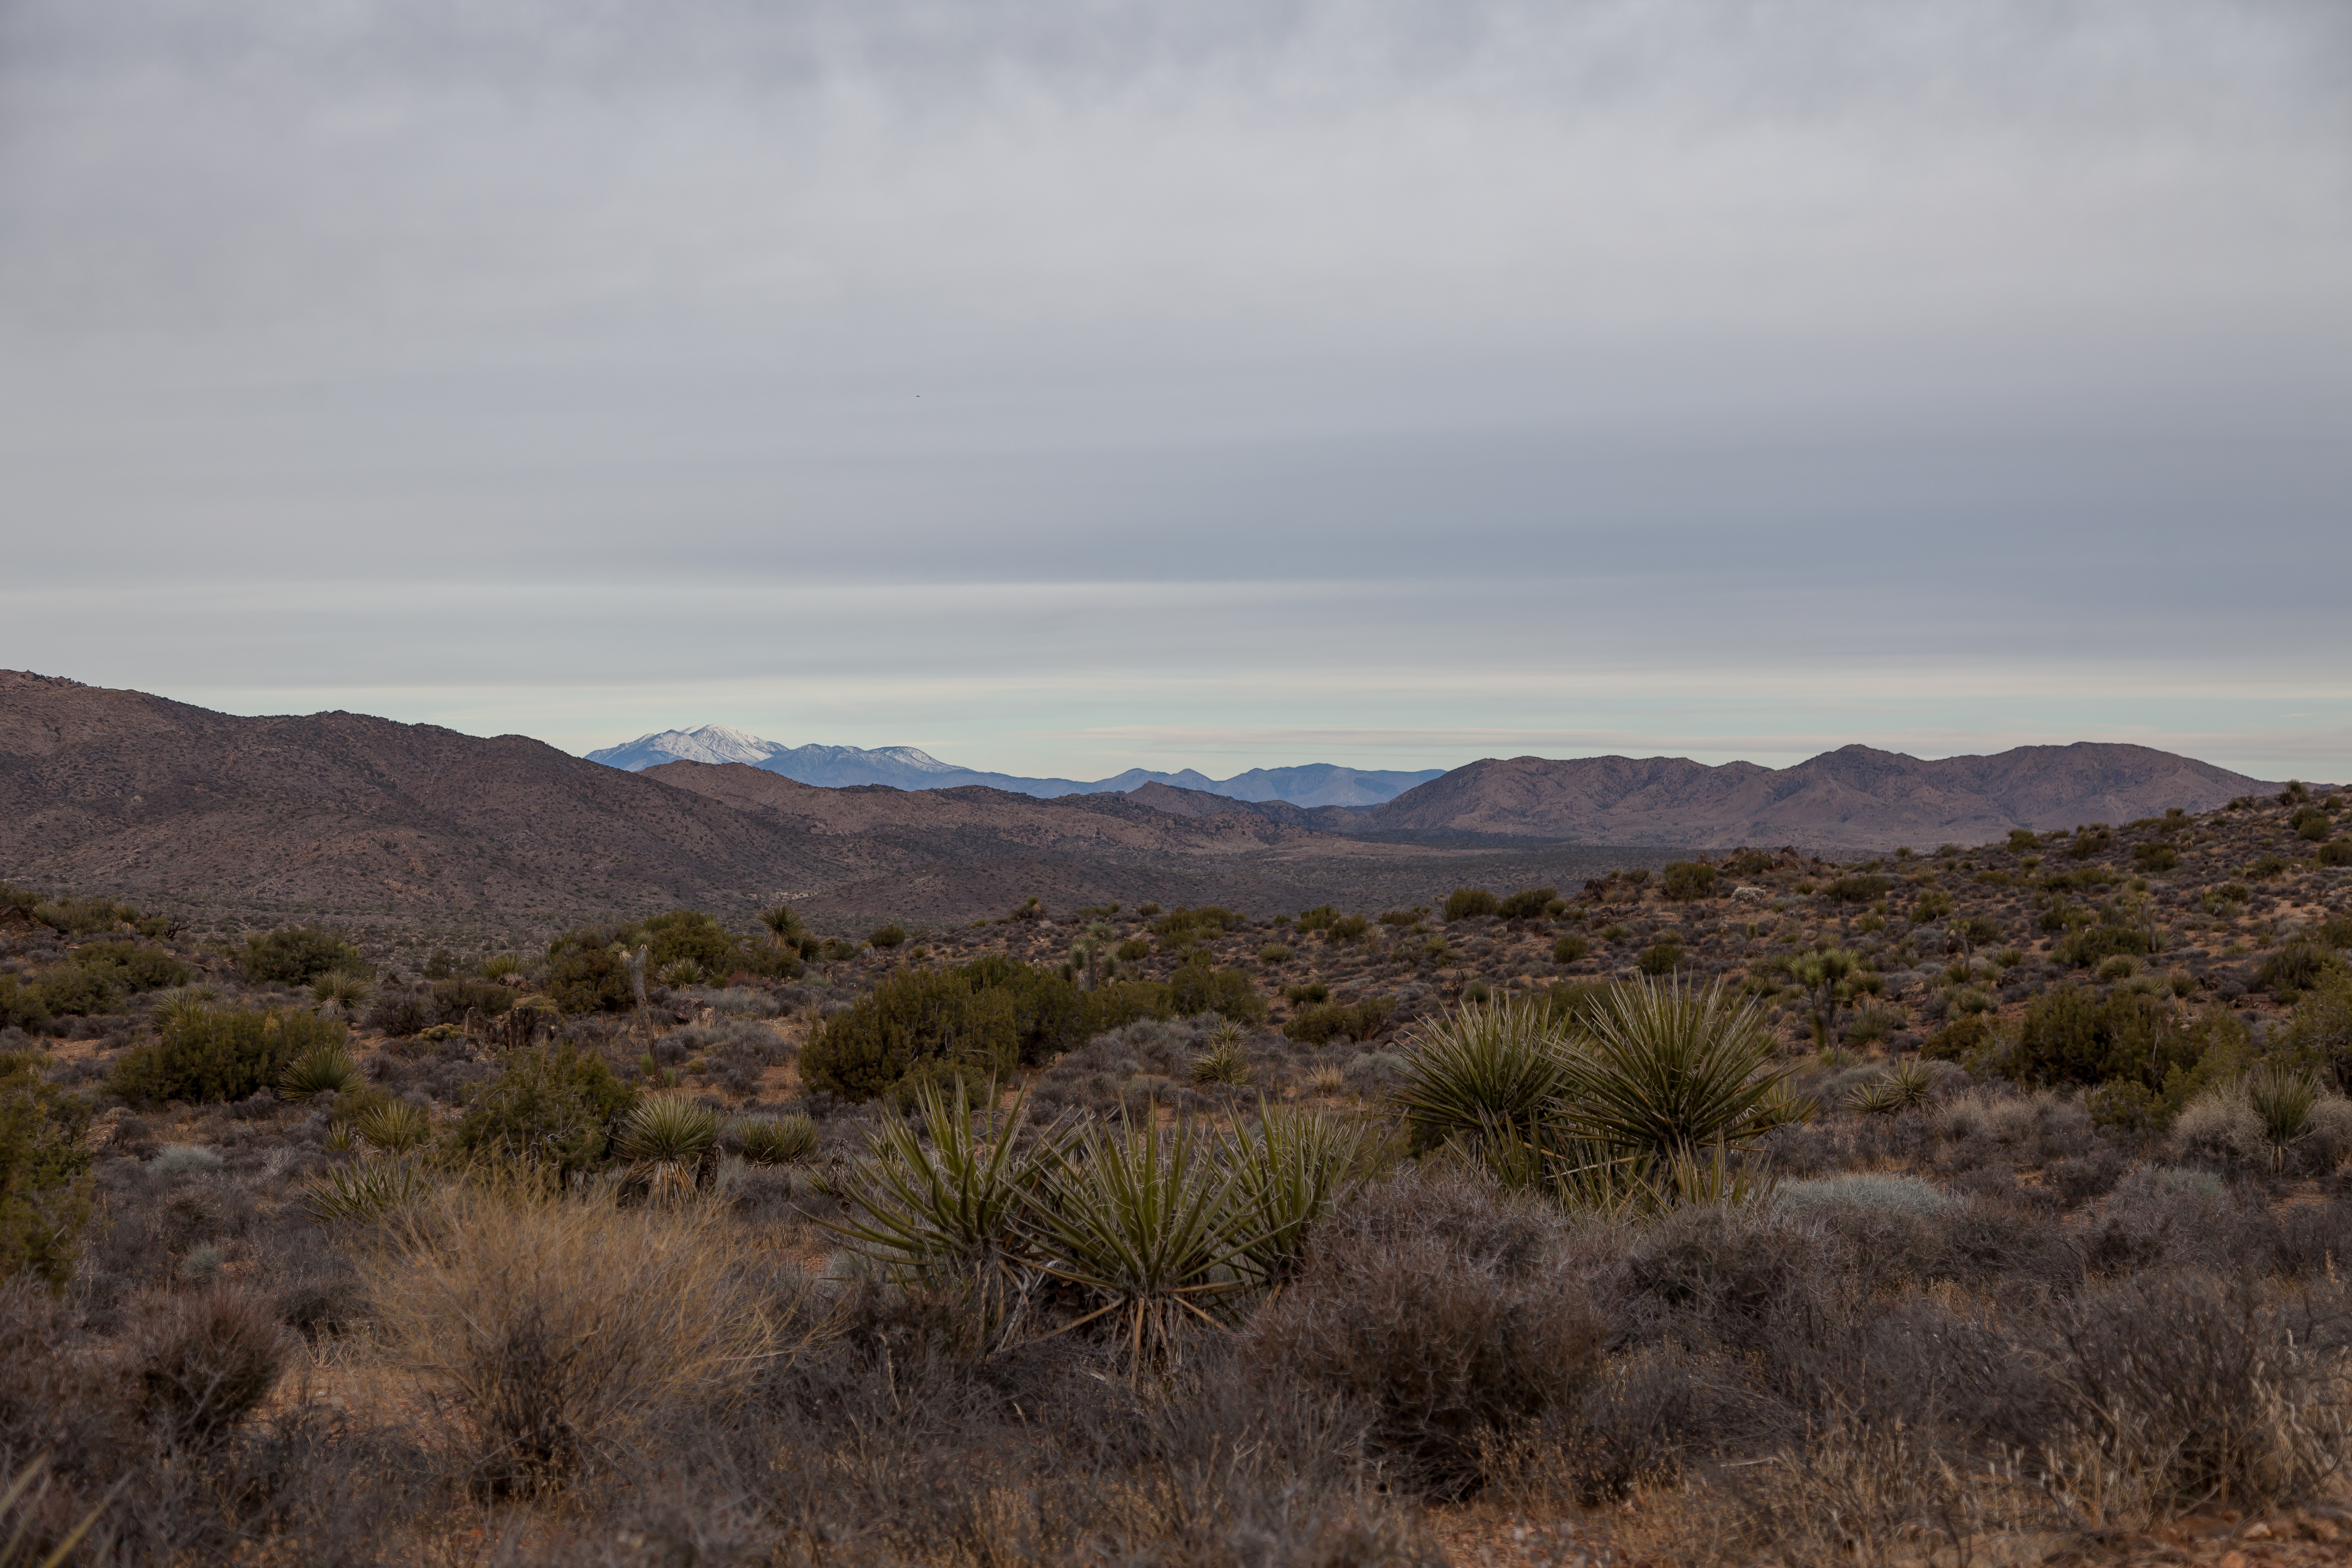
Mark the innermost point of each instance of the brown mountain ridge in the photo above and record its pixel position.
(127, 792)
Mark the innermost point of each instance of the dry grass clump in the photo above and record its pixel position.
(200, 1362)
(561, 1328)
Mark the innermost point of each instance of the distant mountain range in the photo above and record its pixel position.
(1855, 797)
(905, 767)
(132, 795)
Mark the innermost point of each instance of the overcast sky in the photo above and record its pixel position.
(1067, 387)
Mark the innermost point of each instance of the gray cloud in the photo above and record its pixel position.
(1181, 372)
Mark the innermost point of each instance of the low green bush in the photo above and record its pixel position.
(1528, 903)
(1662, 958)
(221, 1054)
(2297, 966)
(886, 937)
(21, 1007)
(2095, 944)
(2070, 1035)
(132, 967)
(2155, 858)
(1187, 925)
(69, 990)
(1687, 879)
(1197, 988)
(1468, 903)
(295, 955)
(1860, 888)
(1569, 949)
(45, 1182)
(2336, 852)
(556, 1107)
(1321, 1023)
(1348, 928)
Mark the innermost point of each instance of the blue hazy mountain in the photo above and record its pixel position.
(906, 767)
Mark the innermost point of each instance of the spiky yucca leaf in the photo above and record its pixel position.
(1149, 1226)
(669, 1137)
(942, 1206)
(179, 1005)
(17, 1550)
(1291, 1169)
(1225, 1062)
(1480, 1066)
(1672, 1070)
(345, 990)
(1876, 1097)
(326, 1070)
(2282, 1099)
(395, 1126)
(776, 1140)
(366, 1190)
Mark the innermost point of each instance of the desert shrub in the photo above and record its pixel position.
(2296, 966)
(2155, 858)
(131, 967)
(1445, 1309)
(44, 1186)
(401, 1014)
(1528, 903)
(1274, 953)
(295, 955)
(1319, 918)
(220, 1053)
(70, 989)
(1661, 958)
(2191, 1389)
(553, 1105)
(560, 1328)
(2070, 1035)
(1467, 903)
(1569, 948)
(1321, 1023)
(1686, 879)
(201, 1361)
(2320, 1032)
(2336, 852)
(1865, 1190)
(2093, 944)
(455, 998)
(1346, 927)
(21, 1007)
(1859, 888)
(586, 974)
(1194, 987)
(886, 937)
(982, 1020)
(1185, 925)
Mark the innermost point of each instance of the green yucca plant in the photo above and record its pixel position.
(1481, 1067)
(2282, 1099)
(776, 1140)
(1876, 1097)
(179, 1005)
(395, 1126)
(345, 990)
(17, 1552)
(497, 966)
(1225, 1061)
(1289, 1172)
(680, 971)
(364, 1190)
(1149, 1226)
(942, 1206)
(670, 1138)
(329, 1069)
(1670, 1070)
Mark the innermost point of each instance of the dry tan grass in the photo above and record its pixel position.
(555, 1328)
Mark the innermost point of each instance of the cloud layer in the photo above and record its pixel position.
(1060, 388)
